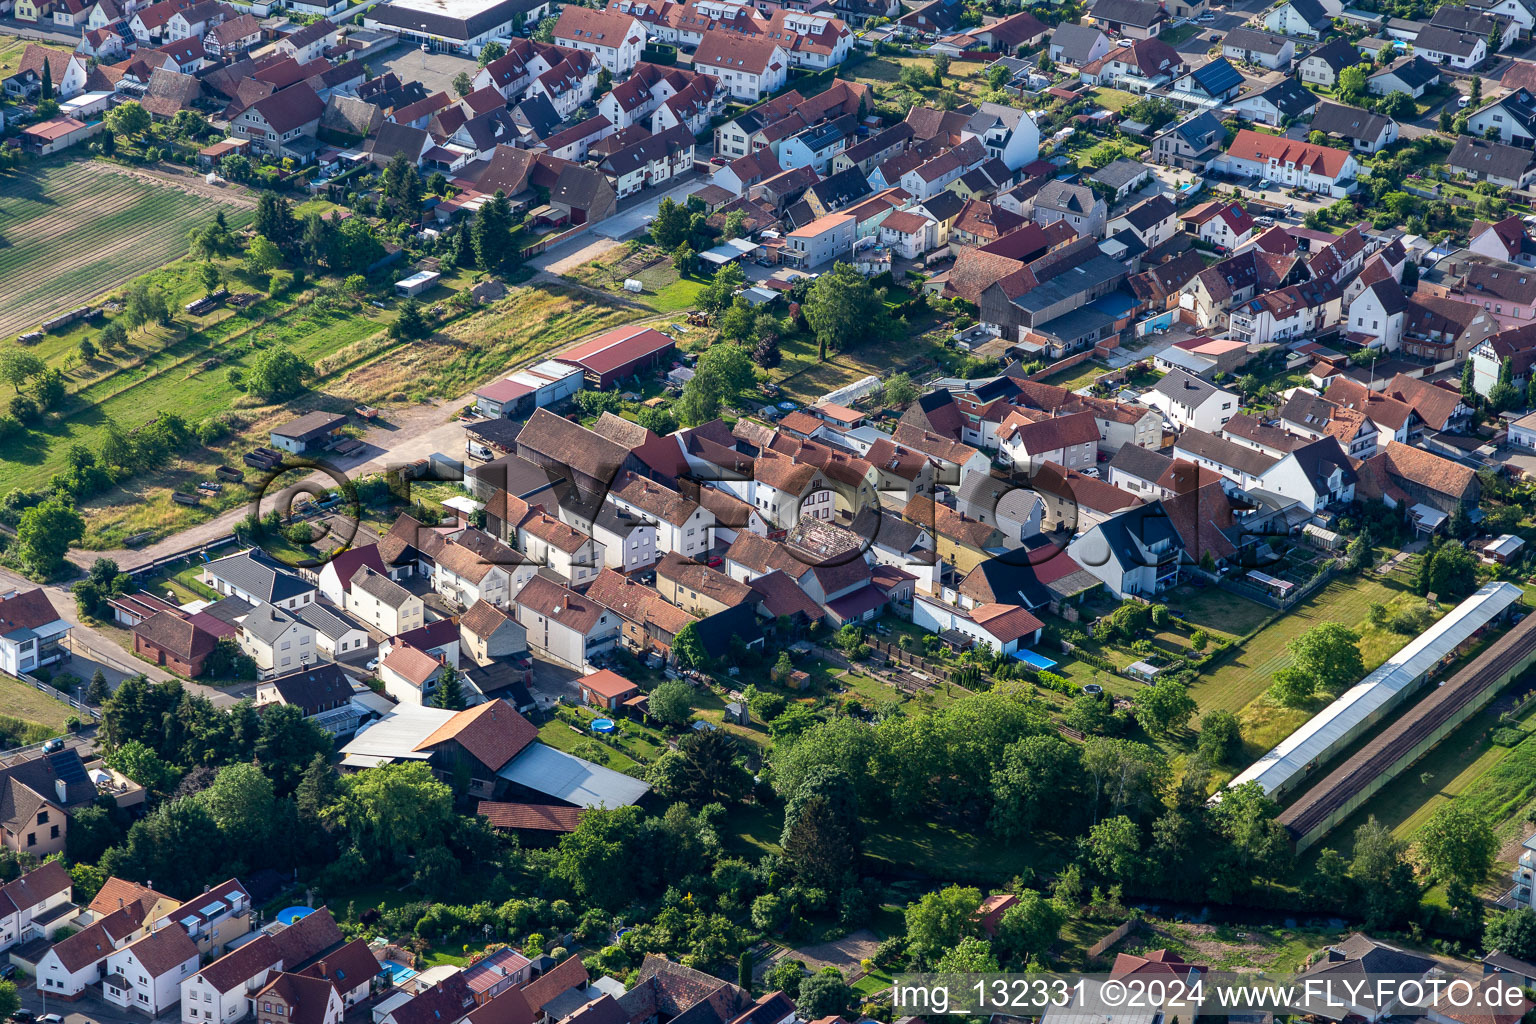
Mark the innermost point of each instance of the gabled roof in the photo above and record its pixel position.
(1338, 54)
(492, 733)
(1255, 41)
(1321, 160)
(1349, 122)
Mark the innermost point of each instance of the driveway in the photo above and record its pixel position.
(551, 681)
(436, 71)
(635, 219)
(90, 1009)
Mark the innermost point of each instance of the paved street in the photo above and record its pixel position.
(88, 1010)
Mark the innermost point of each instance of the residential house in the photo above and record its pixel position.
(32, 634)
(1026, 442)
(1315, 475)
(75, 962)
(1262, 48)
(1153, 221)
(1366, 132)
(487, 633)
(1191, 144)
(566, 626)
(277, 641)
(383, 604)
(298, 997)
(146, 975)
(1139, 67)
(25, 901)
(1134, 553)
(170, 639)
(1412, 75)
(749, 67)
(1212, 84)
(1322, 65)
(1451, 47)
(1132, 19)
(1244, 465)
(1074, 45)
(1321, 169)
(615, 39)
(1306, 19)
(1188, 401)
(1509, 166)
(1275, 103)
(1512, 115)
(252, 578)
(1075, 205)
(278, 124)
(335, 577)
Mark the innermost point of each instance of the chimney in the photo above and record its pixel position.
(62, 790)
(324, 972)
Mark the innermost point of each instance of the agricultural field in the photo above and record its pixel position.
(70, 231)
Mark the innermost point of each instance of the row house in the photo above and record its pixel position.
(1292, 312)
(563, 625)
(749, 68)
(650, 161)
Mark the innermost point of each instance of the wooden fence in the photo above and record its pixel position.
(1113, 937)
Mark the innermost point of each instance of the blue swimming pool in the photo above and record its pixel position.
(398, 973)
(289, 915)
(603, 725)
(1034, 660)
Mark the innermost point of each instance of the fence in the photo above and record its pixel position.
(56, 694)
(1113, 937)
(1265, 597)
(1062, 364)
(550, 240)
(153, 564)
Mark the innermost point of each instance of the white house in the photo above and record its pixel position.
(1304, 18)
(257, 582)
(563, 624)
(335, 577)
(492, 573)
(1134, 552)
(1026, 441)
(221, 992)
(73, 963)
(1188, 401)
(1315, 475)
(31, 896)
(749, 67)
(146, 975)
(1322, 169)
(615, 39)
(1378, 312)
(1513, 115)
(380, 602)
(683, 526)
(277, 641)
(32, 634)
(1004, 628)
(559, 546)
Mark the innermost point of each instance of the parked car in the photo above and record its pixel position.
(23, 1016)
(54, 745)
(50, 1018)
(715, 561)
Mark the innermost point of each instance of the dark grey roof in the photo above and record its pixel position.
(1147, 524)
(1218, 77)
(887, 529)
(1187, 388)
(1140, 13)
(1311, 411)
(1289, 97)
(577, 187)
(328, 622)
(1465, 19)
(1311, 12)
(247, 572)
(1521, 106)
(1201, 132)
(1486, 158)
(492, 128)
(1338, 54)
(1349, 122)
(1062, 195)
(537, 114)
(230, 610)
(1076, 42)
(840, 189)
(314, 687)
(1318, 460)
(1142, 463)
(462, 29)
(1443, 39)
(377, 585)
(1255, 41)
(395, 138)
(944, 206)
(1222, 452)
(1120, 173)
(350, 115)
(1149, 212)
(1414, 72)
(267, 623)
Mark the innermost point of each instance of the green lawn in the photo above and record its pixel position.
(563, 736)
(18, 700)
(1247, 673)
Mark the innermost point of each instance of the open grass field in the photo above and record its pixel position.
(665, 291)
(21, 701)
(71, 231)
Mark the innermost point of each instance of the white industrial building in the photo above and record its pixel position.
(1369, 700)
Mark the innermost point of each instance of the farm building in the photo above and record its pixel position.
(518, 394)
(619, 353)
(310, 431)
(59, 134)
(417, 283)
(1414, 733)
(1369, 700)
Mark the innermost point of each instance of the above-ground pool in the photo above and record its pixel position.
(1033, 660)
(292, 914)
(602, 725)
(399, 974)
(1092, 688)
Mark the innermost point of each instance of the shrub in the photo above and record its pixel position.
(1507, 737)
